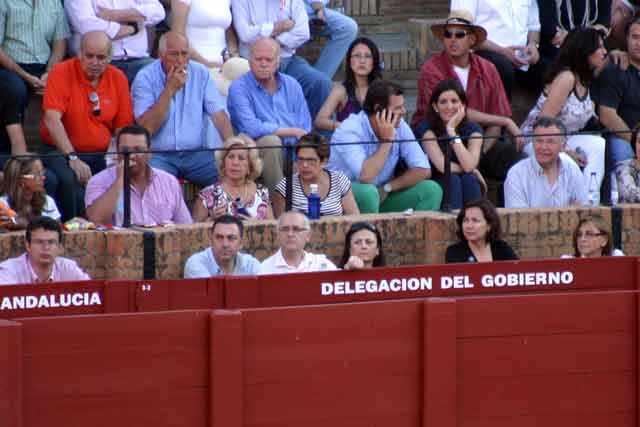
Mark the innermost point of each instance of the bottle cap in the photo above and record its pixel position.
(313, 188)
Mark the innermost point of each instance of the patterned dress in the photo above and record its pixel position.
(215, 195)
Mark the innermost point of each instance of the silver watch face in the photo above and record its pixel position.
(73, 157)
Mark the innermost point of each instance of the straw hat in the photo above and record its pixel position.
(460, 17)
(232, 69)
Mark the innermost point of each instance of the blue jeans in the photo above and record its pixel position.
(341, 30)
(463, 187)
(620, 150)
(198, 167)
(130, 67)
(315, 85)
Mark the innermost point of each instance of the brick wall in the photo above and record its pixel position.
(420, 238)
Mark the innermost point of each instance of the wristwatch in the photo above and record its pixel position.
(72, 156)
(387, 188)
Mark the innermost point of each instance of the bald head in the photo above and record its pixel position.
(95, 54)
(264, 59)
(172, 39)
(96, 40)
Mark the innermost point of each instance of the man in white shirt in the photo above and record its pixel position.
(547, 179)
(513, 36)
(223, 256)
(287, 22)
(294, 232)
(124, 21)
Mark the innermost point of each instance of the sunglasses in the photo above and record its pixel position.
(457, 34)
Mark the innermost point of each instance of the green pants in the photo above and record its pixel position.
(424, 196)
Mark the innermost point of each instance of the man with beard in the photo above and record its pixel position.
(156, 196)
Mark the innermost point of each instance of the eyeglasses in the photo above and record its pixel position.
(308, 161)
(292, 228)
(588, 234)
(362, 57)
(457, 34)
(33, 175)
(42, 242)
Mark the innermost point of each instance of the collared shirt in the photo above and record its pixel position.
(257, 113)
(350, 158)
(83, 17)
(253, 19)
(276, 264)
(28, 29)
(620, 90)
(184, 126)
(528, 187)
(485, 92)
(203, 264)
(19, 271)
(68, 92)
(507, 21)
(162, 201)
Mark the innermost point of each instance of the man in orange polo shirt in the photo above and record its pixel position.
(85, 103)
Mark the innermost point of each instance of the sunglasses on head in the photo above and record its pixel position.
(457, 34)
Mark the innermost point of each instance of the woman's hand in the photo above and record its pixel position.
(219, 210)
(354, 263)
(455, 120)
(580, 159)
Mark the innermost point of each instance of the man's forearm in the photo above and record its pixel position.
(410, 178)
(222, 123)
(533, 37)
(153, 118)
(7, 62)
(490, 46)
(58, 51)
(58, 133)
(485, 119)
(374, 164)
(102, 209)
(16, 136)
(124, 15)
(612, 121)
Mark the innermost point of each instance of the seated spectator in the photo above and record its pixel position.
(479, 233)
(85, 103)
(558, 18)
(362, 247)
(269, 106)
(339, 29)
(592, 238)
(124, 21)
(294, 232)
(236, 193)
(370, 166)
(32, 41)
(628, 176)
(171, 97)
(336, 198)
(213, 39)
(513, 34)
(362, 67)
(41, 263)
(617, 94)
(287, 23)
(156, 196)
(23, 190)
(546, 179)
(487, 103)
(223, 256)
(566, 96)
(622, 12)
(447, 117)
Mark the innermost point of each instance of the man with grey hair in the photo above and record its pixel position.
(294, 232)
(546, 179)
(85, 103)
(173, 97)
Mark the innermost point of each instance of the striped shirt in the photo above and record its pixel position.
(27, 32)
(339, 186)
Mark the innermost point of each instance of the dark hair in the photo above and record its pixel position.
(600, 224)
(228, 219)
(573, 54)
(134, 129)
(490, 215)
(378, 95)
(12, 188)
(379, 260)
(627, 28)
(436, 125)
(376, 72)
(316, 141)
(43, 223)
(547, 122)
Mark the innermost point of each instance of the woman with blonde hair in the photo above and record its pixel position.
(236, 192)
(23, 190)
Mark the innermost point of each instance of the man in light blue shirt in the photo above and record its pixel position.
(547, 179)
(287, 22)
(268, 106)
(367, 147)
(170, 98)
(223, 256)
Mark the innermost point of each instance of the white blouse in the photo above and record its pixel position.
(206, 25)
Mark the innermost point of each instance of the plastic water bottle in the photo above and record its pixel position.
(594, 192)
(314, 202)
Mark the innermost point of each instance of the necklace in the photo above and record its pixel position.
(238, 195)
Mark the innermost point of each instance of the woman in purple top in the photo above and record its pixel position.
(363, 67)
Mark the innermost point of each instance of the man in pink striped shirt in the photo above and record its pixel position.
(41, 263)
(156, 196)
